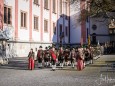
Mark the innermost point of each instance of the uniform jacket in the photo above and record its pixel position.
(31, 55)
(40, 54)
(53, 54)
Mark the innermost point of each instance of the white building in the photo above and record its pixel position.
(31, 23)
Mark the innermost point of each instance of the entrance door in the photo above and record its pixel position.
(94, 38)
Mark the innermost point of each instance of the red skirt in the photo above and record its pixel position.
(31, 64)
(80, 64)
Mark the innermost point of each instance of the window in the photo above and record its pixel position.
(46, 4)
(35, 22)
(60, 7)
(60, 29)
(54, 28)
(7, 15)
(66, 31)
(54, 6)
(36, 2)
(45, 26)
(23, 19)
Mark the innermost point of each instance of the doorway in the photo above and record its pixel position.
(94, 38)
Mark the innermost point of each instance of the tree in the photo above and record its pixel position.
(97, 8)
(101, 8)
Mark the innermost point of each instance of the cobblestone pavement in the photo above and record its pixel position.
(97, 74)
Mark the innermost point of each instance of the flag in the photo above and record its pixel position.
(89, 40)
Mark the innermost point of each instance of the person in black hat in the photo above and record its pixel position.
(53, 58)
(40, 57)
(61, 56)
(46, 57)
(72, 56)
(66, 56)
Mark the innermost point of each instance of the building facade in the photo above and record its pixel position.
(97, 29)
(33, 23)
(79, 29)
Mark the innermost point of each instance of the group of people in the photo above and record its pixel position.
(52, 57)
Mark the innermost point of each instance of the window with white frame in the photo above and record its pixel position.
(23, 19)
(46, 4)
(36, 22)
(54, 28)
(7, 15)
(45, 25)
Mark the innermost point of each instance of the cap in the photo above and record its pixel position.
(40, 47)
(46, 47)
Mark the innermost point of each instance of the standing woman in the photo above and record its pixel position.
(31, 60)
(80, 60)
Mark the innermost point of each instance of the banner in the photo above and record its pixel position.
(89, 40)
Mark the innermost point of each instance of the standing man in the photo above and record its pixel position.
(53, 58)
(72, 55)
(102, 49)
(46, 57)
(31, 60)
(40, 57)
(66, 56)
(61, 56)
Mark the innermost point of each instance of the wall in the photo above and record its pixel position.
(75, 25)
(21, 40)
(102, 30)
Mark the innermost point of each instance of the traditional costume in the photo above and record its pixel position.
(40, 57)
(46, 57)
(31, 60)
(80, 62)
(61, 57)
(53, 58)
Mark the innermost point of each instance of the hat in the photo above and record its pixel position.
(31, 49)
(46, 47)
(40, 47)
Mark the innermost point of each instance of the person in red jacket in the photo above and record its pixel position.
(31, 60)
(53, 58)
(40, 57)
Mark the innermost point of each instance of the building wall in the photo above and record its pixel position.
(102, 31)
(22, 39)
(1, 13)
(23, 33)
(75, 24)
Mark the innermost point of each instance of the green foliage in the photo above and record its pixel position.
(100, 8)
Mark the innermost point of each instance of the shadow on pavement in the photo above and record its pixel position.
(17, 64)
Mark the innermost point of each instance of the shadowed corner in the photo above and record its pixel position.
(61, 31)
(16, 64)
